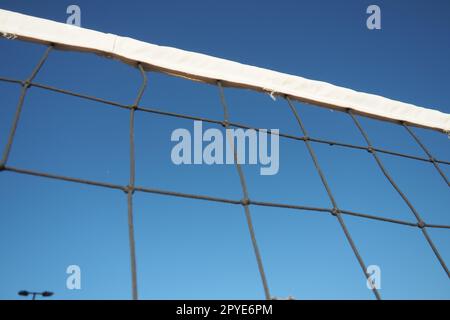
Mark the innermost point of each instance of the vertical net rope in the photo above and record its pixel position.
(131, 186)
(246, 199)
(335, 210)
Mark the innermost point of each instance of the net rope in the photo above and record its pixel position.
(246, 202)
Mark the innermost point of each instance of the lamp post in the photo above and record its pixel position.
(25, 293)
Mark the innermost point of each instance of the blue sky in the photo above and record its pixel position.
(195, 249)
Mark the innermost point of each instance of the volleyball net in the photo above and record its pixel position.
(224, 74)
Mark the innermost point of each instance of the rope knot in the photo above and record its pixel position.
(128, 189)
(9, 36)
(335, 211)
(245, 201)
(26, 84)
(421, 224)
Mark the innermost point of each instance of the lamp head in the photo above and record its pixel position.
(47, 294)
(23, 293)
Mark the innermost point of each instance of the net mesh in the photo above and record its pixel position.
(311, 143)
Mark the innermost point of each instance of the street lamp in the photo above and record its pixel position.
(25, 293)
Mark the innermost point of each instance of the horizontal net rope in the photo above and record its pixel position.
(231, 123)
(247, 202)
(213, 199)
(209, 69)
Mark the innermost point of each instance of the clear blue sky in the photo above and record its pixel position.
(194, 249)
